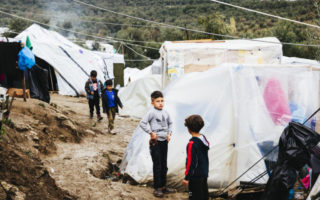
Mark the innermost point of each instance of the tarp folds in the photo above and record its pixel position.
(136, 96)
(38, 82)
(233, 103)
(295, 147)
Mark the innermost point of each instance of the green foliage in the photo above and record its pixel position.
(8, 122)
(2, 132)
(42, 105)
(193, 14)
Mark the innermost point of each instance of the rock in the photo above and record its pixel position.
(90, 132)
(3, 194)
(22, 127)
(68, 124)
(61, 117)
(12, 191)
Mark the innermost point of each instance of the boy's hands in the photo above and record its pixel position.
(168, 137)
(92, 93)
(185, 182)
(153, 136)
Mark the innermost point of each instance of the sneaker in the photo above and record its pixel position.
(169, 190)
(91, 116)
(158, 193)
(100, 118)
(111, 132)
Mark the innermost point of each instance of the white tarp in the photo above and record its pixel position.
(315, 189)
(136, 96)
(109, 61)
(242, 106)
(195, 56)
(71, 62)
(300, 61)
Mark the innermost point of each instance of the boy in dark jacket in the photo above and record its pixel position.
(93, 89)
(197, 164)
(110, 103)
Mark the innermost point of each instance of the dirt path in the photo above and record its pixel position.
(78, 168)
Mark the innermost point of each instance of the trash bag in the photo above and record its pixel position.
(26, 59)
(295, 147)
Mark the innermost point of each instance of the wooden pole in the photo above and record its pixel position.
(24, 86)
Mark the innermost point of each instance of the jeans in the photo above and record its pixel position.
(198, 189)
(95, 102)
(111, 116)
(159, 153)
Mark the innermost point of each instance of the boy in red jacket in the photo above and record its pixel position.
(197, 163)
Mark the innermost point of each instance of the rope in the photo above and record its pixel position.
(266, 14)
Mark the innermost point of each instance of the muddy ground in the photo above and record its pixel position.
(56, 152)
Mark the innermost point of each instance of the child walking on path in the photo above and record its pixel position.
(110, 103)
(158, 124)
(93, 89)
(197, 163)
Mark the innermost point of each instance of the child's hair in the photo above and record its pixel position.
(109, 82)
(194, 122)
(93, 73)
(156, 94)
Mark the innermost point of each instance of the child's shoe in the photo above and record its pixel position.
(100, 118)
(91, 116)
(158, 193)
(169, 190)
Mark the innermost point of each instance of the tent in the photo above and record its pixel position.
(11, 76)
(115, 67)
(69, 65)
(300, 61)
(180, 57)
(136, 96)
(245, 109)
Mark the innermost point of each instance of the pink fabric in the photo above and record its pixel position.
(2, 77)
(306, 181)
(276, 102)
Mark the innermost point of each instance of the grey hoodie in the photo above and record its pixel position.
(157, 121)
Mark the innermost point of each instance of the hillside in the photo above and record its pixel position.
(192, 14)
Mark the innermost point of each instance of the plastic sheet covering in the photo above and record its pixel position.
(295, 147)
(196, 56)
(26, 59)
(71, 62)
(315, 191)
(238, 123)
(39, 85)
(136, 96)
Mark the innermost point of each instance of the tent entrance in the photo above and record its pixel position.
(10, 75)
(52, 79)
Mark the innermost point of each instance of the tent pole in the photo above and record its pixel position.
(24, 86)
(51, 78)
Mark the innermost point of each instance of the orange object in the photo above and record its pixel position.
(19, 92)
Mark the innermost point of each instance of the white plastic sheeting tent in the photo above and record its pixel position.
(244, 107)
(182, 57)
(136, 96)
(300, 61)
(109, 61)
(315, 189)
(72, 63)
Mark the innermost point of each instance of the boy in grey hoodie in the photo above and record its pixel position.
(158, 124)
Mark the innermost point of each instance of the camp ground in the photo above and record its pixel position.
(245, 107)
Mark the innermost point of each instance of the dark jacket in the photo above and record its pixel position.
(197, 163)
(89, 88)
(105, 102)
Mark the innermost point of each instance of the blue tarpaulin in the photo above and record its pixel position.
(26, 59)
